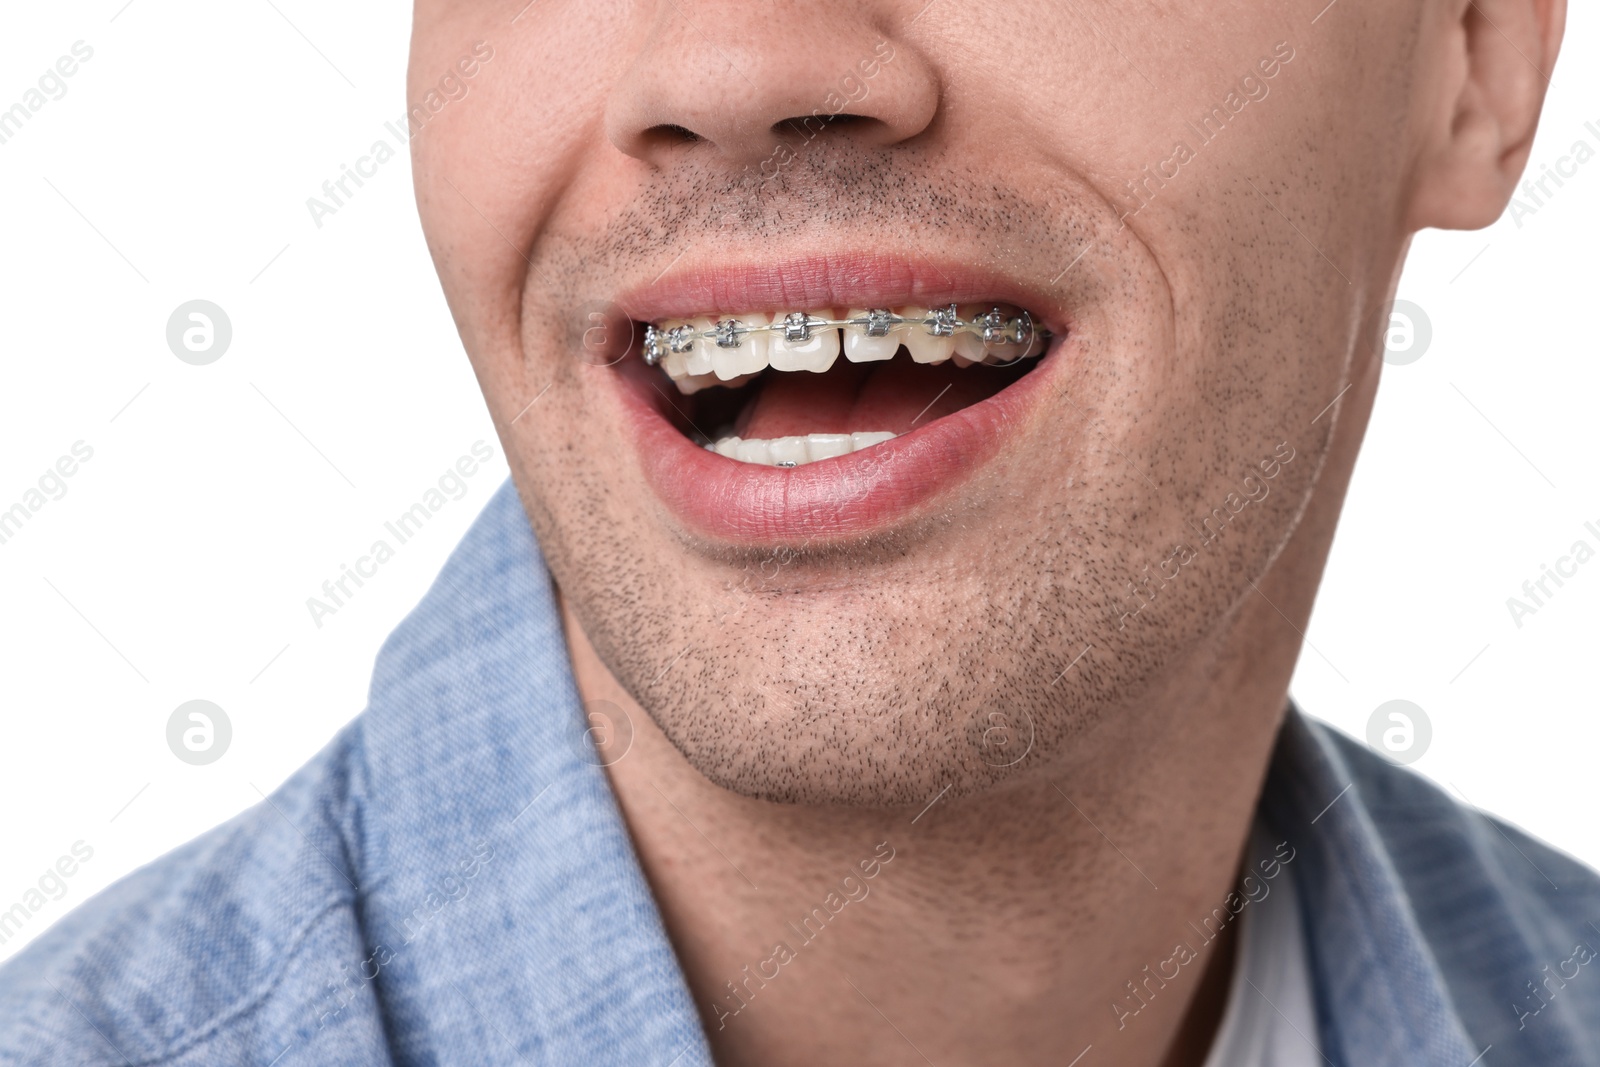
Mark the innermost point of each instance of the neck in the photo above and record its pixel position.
(1024, 924)
(1014, 926)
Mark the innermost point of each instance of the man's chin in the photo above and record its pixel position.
(835, 754)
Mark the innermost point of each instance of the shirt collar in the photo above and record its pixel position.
(1380, 995)
(501, 878)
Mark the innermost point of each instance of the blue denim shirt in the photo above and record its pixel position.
(450, 882)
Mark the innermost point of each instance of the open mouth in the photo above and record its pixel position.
(788, 388)
(822, 399)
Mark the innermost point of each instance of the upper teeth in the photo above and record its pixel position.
(701, 351)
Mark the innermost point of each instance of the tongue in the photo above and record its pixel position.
(897, 395)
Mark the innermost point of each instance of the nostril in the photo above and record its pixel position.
(670, 133)
(810, 125)
(683, 98)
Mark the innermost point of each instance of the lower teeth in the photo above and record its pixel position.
(796, 451)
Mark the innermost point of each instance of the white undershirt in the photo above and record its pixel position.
(1270, 1020)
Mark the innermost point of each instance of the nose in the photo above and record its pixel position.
(744, 79)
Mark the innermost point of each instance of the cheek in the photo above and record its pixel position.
(486, 198)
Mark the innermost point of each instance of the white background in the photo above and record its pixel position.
(219, 498)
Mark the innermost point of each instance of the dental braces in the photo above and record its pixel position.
(994, 327)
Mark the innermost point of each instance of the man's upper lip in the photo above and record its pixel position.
(703, 284)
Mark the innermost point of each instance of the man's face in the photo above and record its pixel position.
(1203, 205)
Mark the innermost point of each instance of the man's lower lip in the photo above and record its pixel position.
(847, 496)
